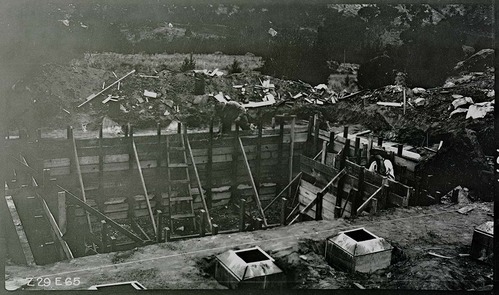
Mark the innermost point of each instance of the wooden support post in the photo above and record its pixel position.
(365, 154)
(309, 135)
(103, 232)
(357, 150)
(318, 206)
(386, 191)
(374, 206)
(341, 181)
(209, 168)
(179, 127)
(380, 141)
(258, 223)
(202, 221)
(235, 162)
(113, 243)
(345, 132)
(159, 155)
(369, 147)
(166, 233)
(214, 230)
(403, 174)
(61, 212)
(242, 216)
(69, 132)
(159, 222)
(130, 153)
(279, 176)
(331, 142)
(292, 148)
(283, 211)
(400, 148)
(324, 152)
(346, 153)
(126, 130)
(438, 196)
(358, 199)
(316, 134)
(258, 155)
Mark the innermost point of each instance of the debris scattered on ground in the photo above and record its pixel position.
(438, 255)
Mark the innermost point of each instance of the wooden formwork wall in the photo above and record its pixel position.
(110, 173)
(398, 193)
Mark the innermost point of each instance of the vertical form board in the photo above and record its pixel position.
(235, 161)
(316, 134)
(278, 176)
(291, 148)
(310, 130)
(209, 167)
(357, 150)
(258, 156)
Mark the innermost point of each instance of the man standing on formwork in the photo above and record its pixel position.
(231, 112)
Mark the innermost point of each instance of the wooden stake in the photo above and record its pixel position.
(202, 219)
(357, 150)
(345, 132)
(242, 222)
(159, 222)
(283, 211)
(318, 206)
(104, 236)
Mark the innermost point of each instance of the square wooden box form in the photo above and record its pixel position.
(250, 268)
(358, 250)
(482, 246)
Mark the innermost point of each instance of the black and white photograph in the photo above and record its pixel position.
(247, 145)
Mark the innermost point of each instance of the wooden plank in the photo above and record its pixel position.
(366, 203)
(151, 216)
(80, 179)
(61, 212)
(205, 206)
(86, 207)
(30, 260)
(56, 230)
(257, 199)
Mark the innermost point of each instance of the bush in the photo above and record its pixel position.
(235, 67)
(189, 64)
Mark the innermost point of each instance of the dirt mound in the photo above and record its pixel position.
(479, 61)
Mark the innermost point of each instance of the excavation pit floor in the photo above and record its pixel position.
(416, 233)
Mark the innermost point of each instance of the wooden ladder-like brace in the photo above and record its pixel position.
(181, 201)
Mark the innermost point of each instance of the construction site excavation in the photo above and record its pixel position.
(252, 146)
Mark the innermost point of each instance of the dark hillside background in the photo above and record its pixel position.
(424, 41)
